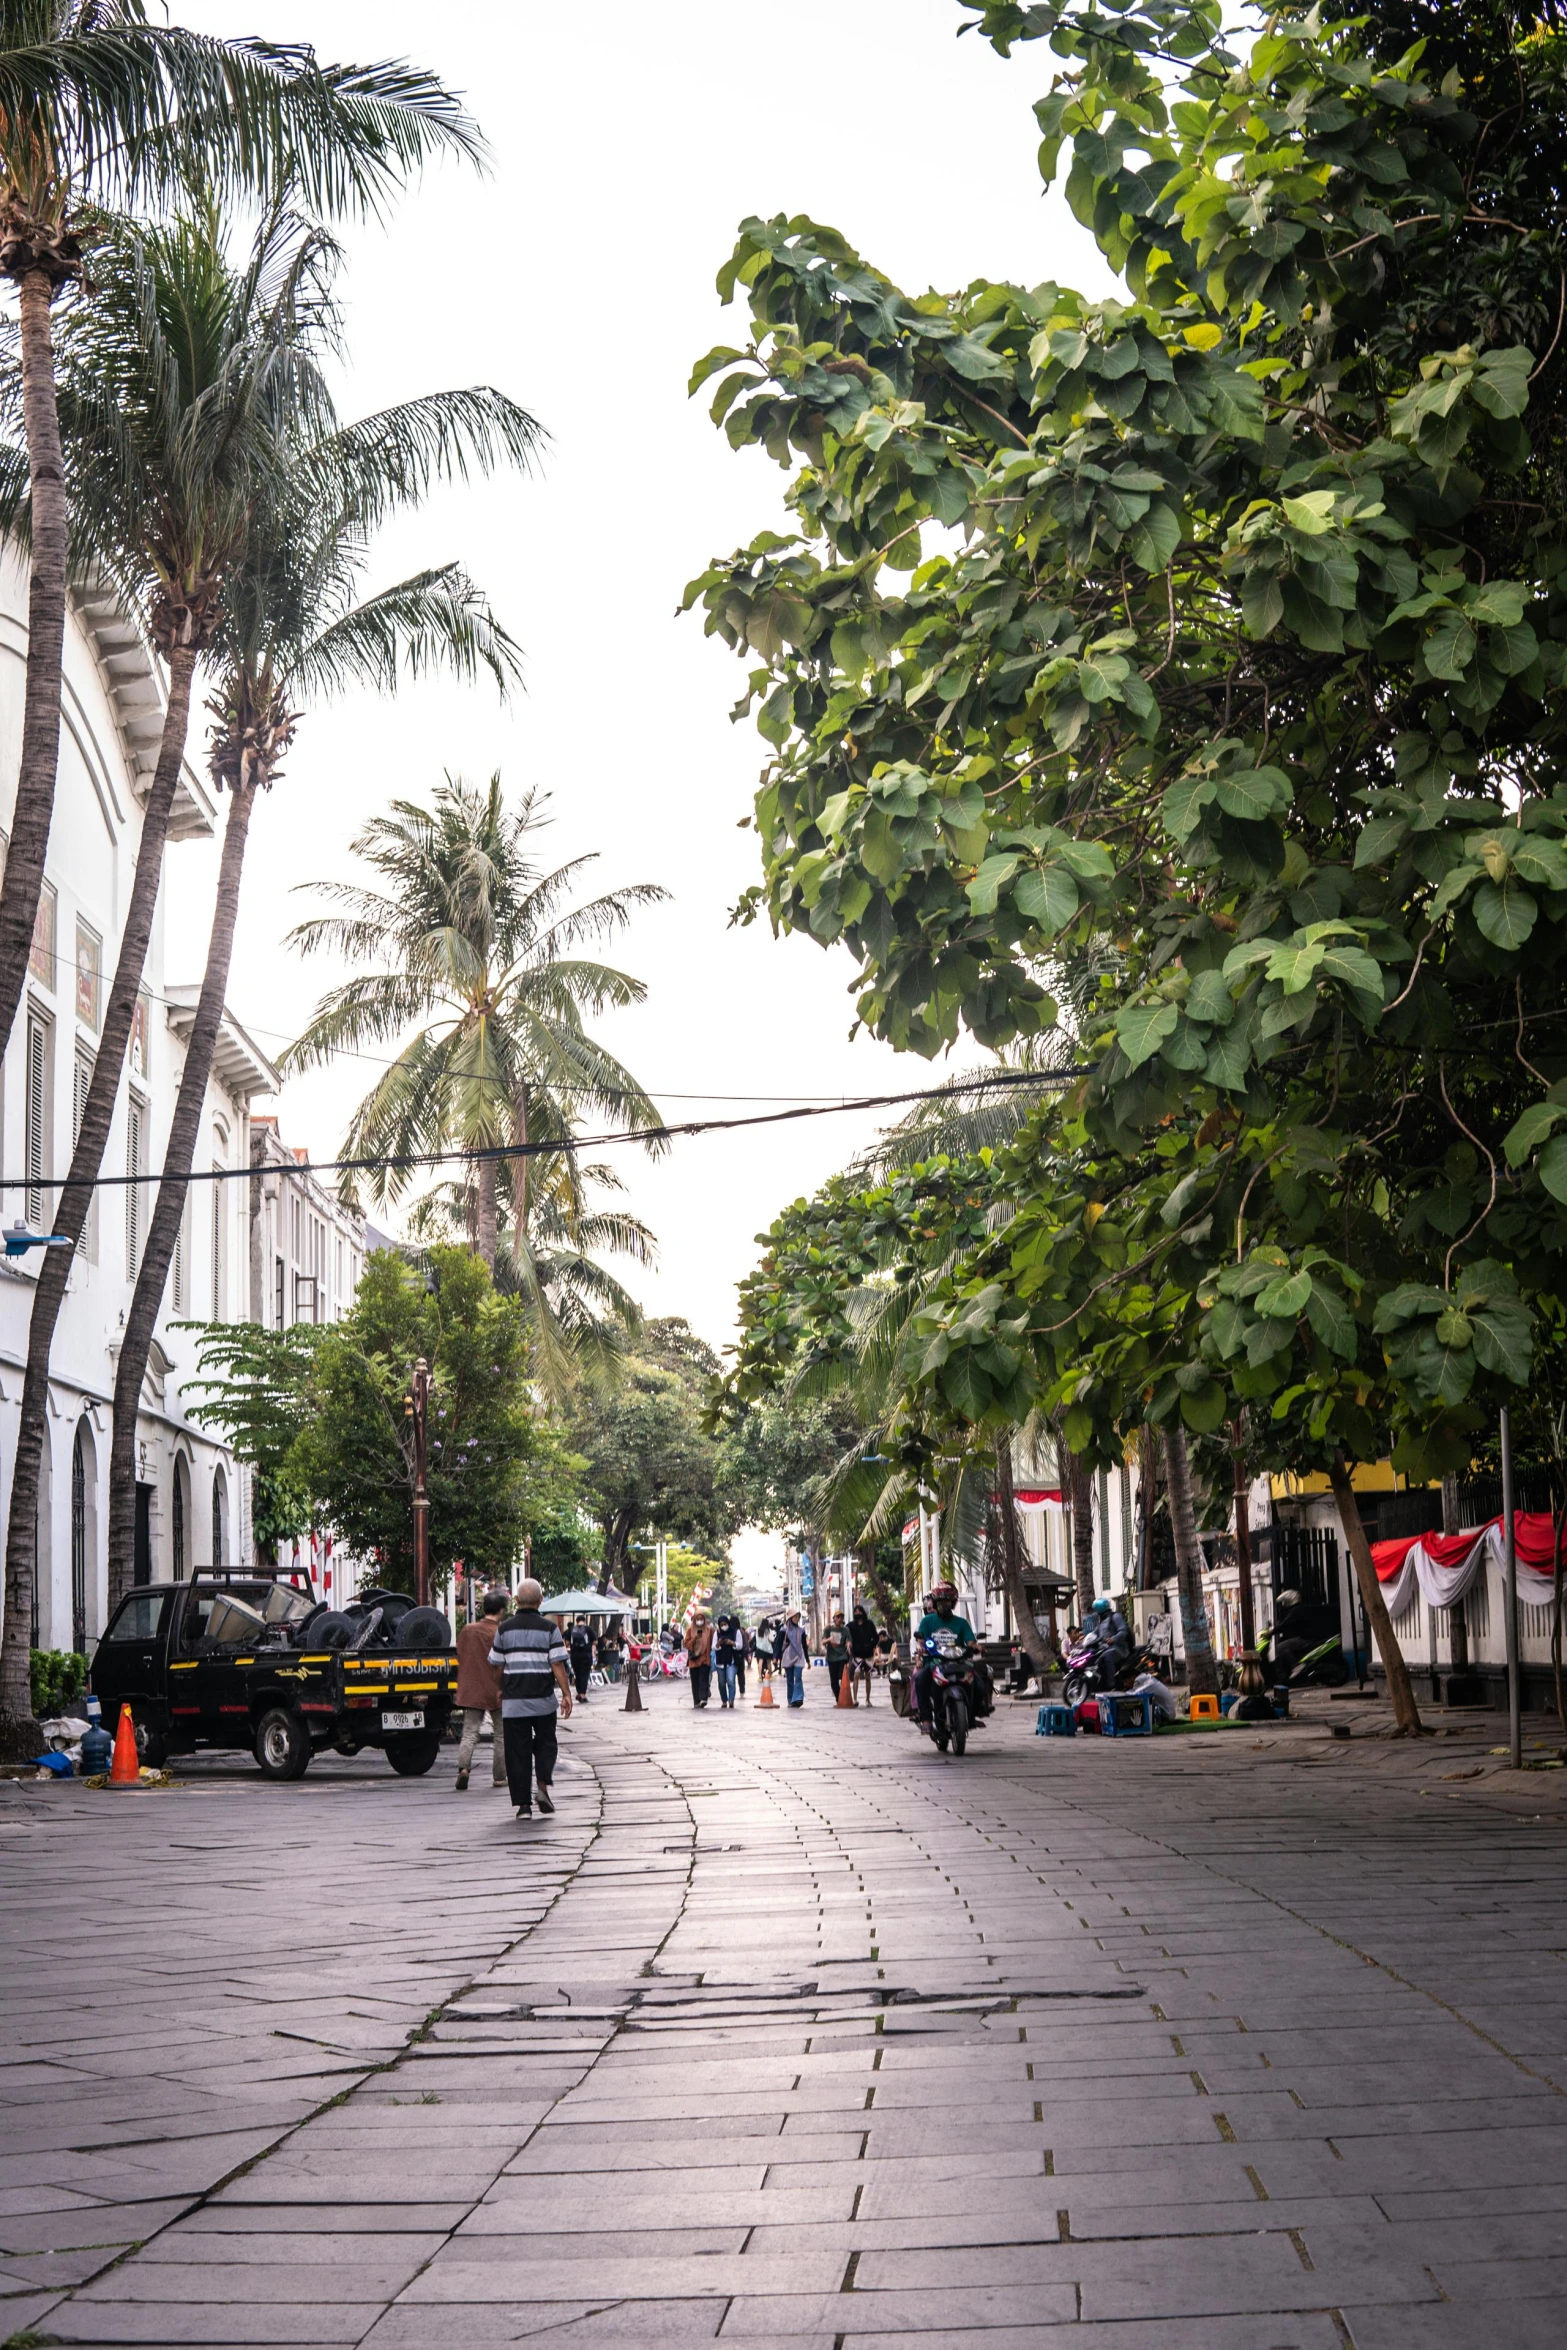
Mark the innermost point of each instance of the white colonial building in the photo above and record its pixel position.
(189, 1503)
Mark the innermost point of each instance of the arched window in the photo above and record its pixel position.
(79, 1544)
(219, 1497)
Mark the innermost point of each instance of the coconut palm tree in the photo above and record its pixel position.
(581, 1318)
(291, 630)
(181, 387)
(99, 107)
(477, 945)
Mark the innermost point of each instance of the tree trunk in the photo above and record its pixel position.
(1028, 1631)
(1243, 1549)
(485, 1220)
(163, 1230)
(1080, 1497)
(40, 759)
(70, 1216)
(877, 1583)
(1202, 1670)
(1457, 1621)
(1406, 1713)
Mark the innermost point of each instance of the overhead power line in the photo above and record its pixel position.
(1001, 1081)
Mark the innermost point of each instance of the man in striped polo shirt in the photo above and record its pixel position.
(533, 1661)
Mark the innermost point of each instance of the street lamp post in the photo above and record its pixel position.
(419, 1402)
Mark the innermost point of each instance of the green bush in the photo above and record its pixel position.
(59, 1674)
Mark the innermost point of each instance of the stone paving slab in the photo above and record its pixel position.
(797, 2035)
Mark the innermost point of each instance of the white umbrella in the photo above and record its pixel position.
(583, 1603)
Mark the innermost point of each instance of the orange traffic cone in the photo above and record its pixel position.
(125, 1770)
(765, 1701)
(845, 1689)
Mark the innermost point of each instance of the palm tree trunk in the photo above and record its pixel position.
(1012, 1563)
(163, 1231)
(485, 1219)
(29, 842)
(1202, 1671)
(1406, 1713)
(1080, 1500)
(70, 1216)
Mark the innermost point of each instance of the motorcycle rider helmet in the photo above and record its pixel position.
(940, 1591)
(1287, 1599)
(1101, 1607)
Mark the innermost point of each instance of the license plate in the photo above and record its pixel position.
(413, 1720)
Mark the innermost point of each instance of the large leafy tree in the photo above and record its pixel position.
(1219, 623)
(182, 386)
(328, 1414)
(470, 941)
(652, 1467)
(293, 629)
(100, 107)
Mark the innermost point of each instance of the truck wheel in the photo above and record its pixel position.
(413, 1752)
(152, 1742)
(282, 1745)
(422, 1627)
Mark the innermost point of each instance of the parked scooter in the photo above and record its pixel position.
(1322, 1667)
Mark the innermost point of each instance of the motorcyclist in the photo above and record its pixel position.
(1114, 1636)
(1293, 1635)
(941, 1616)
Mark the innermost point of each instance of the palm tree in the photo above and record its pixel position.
(180, 388)
(477, 944)
(97, 106)
(581, 1318)
(291, 630)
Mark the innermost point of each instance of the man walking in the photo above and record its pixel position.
(837, 1651)
(862, 1647)
(581, 1655)
(726, 1649)
(699, 1657)
(479, 1691)
(794, 1654)
(532, 1660)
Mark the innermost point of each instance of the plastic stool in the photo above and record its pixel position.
(1204, 1709)
(1129, 1714)
(1056, 1721)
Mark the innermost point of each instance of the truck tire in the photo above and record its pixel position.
(282, 1744)
(152, 1744)
(422, 1627)
(331, 1629)
(412, 1752)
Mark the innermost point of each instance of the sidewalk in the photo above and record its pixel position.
(787, 2031)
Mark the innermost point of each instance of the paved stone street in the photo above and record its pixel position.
(785, 2030)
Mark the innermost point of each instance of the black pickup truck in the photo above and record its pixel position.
(249, 1661)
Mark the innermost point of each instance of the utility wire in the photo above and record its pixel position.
(1002, 1080)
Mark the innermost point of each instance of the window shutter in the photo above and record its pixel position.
(37, 1119)
(135, 1153)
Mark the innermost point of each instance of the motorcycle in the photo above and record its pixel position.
(1091, 1669)
(954, 1696)
(1322, 1667)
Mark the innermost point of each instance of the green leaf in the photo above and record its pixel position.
(1553, 1168)
(1332, 1321)
(1184, 803)
(1209, 999)
(1311, 514)
(1503, 1342)
(1505, 914)
(1047, 895)
(1450, 647)
(1253, 793)
(1380, 839)
(1142, 1028)
(989, 881)
(1285, 1299)
(1205, 1411)
(1527, 1132)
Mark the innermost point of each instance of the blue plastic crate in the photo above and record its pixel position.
(1127, 1714)
(1056, 1721)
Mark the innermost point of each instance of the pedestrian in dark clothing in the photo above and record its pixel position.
(742, 1652)
(862, 1647)
(581, 1656)
(531, 1658)
(727, 1647)
(699, 1657)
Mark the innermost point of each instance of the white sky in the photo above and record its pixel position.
(629, 141)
